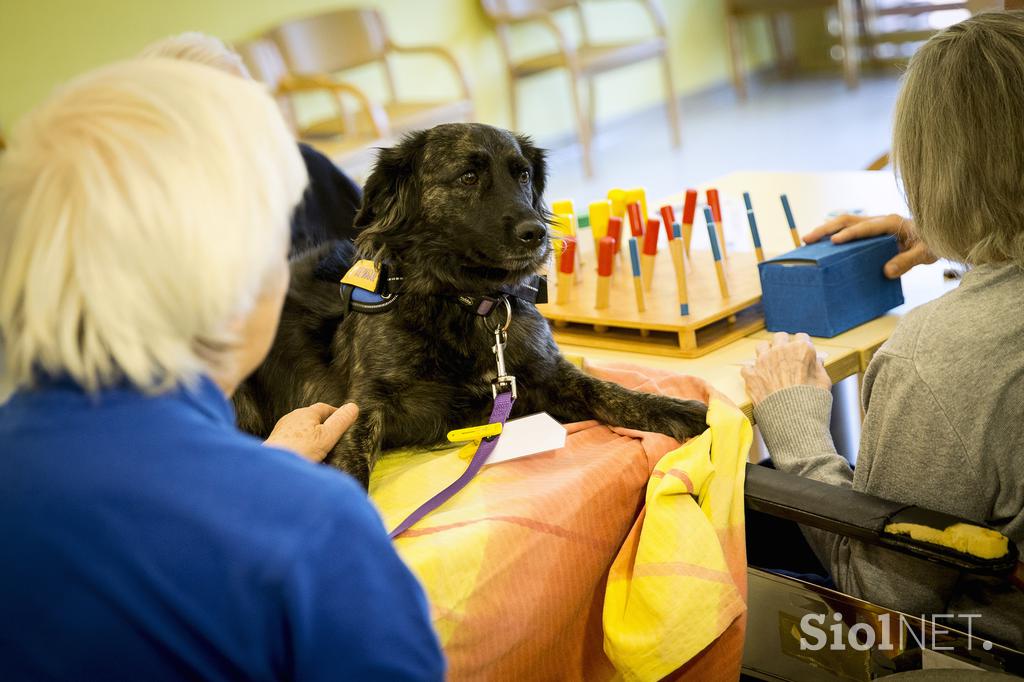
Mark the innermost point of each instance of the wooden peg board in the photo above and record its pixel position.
(712, 323)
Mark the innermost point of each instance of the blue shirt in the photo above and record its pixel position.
(146, 538)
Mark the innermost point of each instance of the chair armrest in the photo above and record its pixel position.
(878, 521)
(657, 17)
(548, 22)
(291, 84)
(444, 55)
(656, 14)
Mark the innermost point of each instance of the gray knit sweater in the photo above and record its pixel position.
(944, 429)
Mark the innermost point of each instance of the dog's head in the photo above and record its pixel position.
(457, 207)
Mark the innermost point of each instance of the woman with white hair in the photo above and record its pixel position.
(944, 397)
(144, 216)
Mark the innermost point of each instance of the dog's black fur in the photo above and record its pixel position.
(455, 210)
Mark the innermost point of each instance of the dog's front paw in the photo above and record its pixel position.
(354, 465)
(350, 455)
(681, 419)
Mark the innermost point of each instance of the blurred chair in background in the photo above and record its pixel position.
(315, 49)
(894, 29)
(583, 61)
(350, 144)
(884, 32)
(331, 199)
(303, 57)
(737, 10)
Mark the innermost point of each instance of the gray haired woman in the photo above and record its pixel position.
(944, 397)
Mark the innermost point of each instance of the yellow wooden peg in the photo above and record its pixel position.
(563, 207)
(618, 199)
(563, 225)
(639, 195)
(600, 211)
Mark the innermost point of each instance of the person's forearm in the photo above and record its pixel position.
(794, 423)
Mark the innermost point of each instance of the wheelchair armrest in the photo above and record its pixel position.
(904, 528)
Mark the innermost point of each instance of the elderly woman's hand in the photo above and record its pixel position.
(312, 431)
(786, 361)
(846, 228)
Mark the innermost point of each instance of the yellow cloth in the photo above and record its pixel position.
(680, 579)
(516, 564)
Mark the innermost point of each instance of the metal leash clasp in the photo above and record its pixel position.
(504, 381)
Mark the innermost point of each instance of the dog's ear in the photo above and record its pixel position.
(390, 197)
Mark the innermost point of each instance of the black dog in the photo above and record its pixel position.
(457, 213)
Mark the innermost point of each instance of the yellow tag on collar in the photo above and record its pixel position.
(474, 433)
(363, 275)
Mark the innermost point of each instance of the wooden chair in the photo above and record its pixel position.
(583, 61)
(316, 48)
(903, 21)
(737, 10)
(339, 137)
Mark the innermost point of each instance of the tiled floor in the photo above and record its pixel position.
(813, 123)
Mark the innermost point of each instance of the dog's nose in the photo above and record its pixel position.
(531, 232)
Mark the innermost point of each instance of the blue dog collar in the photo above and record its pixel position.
(387, 290)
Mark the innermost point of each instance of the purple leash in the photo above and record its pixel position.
(504, 390)
(500, 412)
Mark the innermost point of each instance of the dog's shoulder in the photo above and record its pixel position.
(333, 261)
(325, 262)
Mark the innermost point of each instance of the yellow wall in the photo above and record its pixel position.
(44, 42)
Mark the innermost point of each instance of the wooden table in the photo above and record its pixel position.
(721, 368)
(812, 197)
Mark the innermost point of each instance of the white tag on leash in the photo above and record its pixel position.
(527, 436)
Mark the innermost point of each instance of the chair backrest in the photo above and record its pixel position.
(264, 61)
(515, 9)
(333, 41)
(267, 66)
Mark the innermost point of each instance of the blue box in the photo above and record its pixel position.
(824, 289)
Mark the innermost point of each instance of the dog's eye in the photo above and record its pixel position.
(524, 177)
(469, 178)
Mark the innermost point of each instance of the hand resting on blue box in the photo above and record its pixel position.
(846, 228)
